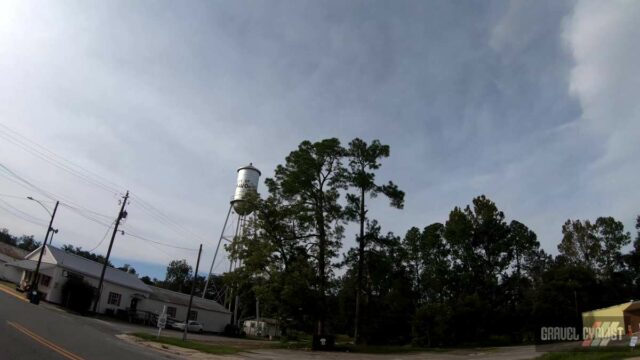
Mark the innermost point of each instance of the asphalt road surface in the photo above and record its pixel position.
(44, 332)
(32, 332)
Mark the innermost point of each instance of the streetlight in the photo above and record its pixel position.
(34, 284)
(53, 231)
(41, 204)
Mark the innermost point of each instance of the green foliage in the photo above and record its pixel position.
(613, 353)
(127, 268)
(310, 182)
(477, 278)
(596, 245)
(189, 344)
(363, 160)
(179, 272)
(25, 242)
(7, 238)
(28, 243)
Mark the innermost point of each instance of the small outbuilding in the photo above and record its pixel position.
(262, 327)
(213, 316)
(627, 315)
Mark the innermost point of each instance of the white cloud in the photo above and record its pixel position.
(604, 40)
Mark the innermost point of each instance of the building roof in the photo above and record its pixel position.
(177, 298)
(30, 265)
(627, 306)
(93, 269)
(12, 251)
(264, 320)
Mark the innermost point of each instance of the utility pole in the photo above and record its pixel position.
(53, 232)
(121, 215)
(193, 286)
(34, 284)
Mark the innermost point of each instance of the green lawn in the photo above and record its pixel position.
(199, 346)
(592, 354)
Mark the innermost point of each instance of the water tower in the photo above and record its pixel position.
(242, 204)
(246, 190)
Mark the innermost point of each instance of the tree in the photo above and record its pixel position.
(309, 182)
(596, 245)
(387, 288)
(178, 273)
(147, 280)
(6, 237)
(277, 267)
(128, 268)
(28, 243)
(85, 254)
(524, 244)
(478, 241)
(363, 160)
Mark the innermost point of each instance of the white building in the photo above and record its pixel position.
(122, 292)
(262, 327)
(9, 254)
(213, 316)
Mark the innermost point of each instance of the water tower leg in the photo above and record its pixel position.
(206, 284)
(232, 261)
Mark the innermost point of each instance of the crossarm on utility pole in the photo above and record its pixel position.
(34, 283)
(106, 260)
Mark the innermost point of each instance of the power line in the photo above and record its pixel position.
(20, 180)
(22, 198)
(82, 173)
(163, 218)
(21, 214)
(103, 237)
(31, 186)
(158, 242)
(88, 176)
(56, 160)
(90, 218)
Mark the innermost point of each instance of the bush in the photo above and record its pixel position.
(233, 331)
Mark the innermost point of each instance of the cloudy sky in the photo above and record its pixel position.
(533, 103)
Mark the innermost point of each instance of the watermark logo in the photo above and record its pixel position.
(601, 333)
(557, 333)
(596, 334)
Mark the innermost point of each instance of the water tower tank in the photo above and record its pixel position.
(248, 178)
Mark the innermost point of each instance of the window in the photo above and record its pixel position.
(171, 311)
(193, 315)
(45, 280)
(114, 299)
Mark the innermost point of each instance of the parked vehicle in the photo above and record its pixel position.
(194, 326)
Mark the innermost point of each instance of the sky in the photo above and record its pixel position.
(532, 103)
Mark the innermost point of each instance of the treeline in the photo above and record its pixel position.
(477, 278)
(25, 242)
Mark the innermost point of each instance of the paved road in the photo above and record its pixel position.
(36, 332)
(45, 332)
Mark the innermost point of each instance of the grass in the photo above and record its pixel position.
(613, 353)
(362, 349)
(194, 345)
